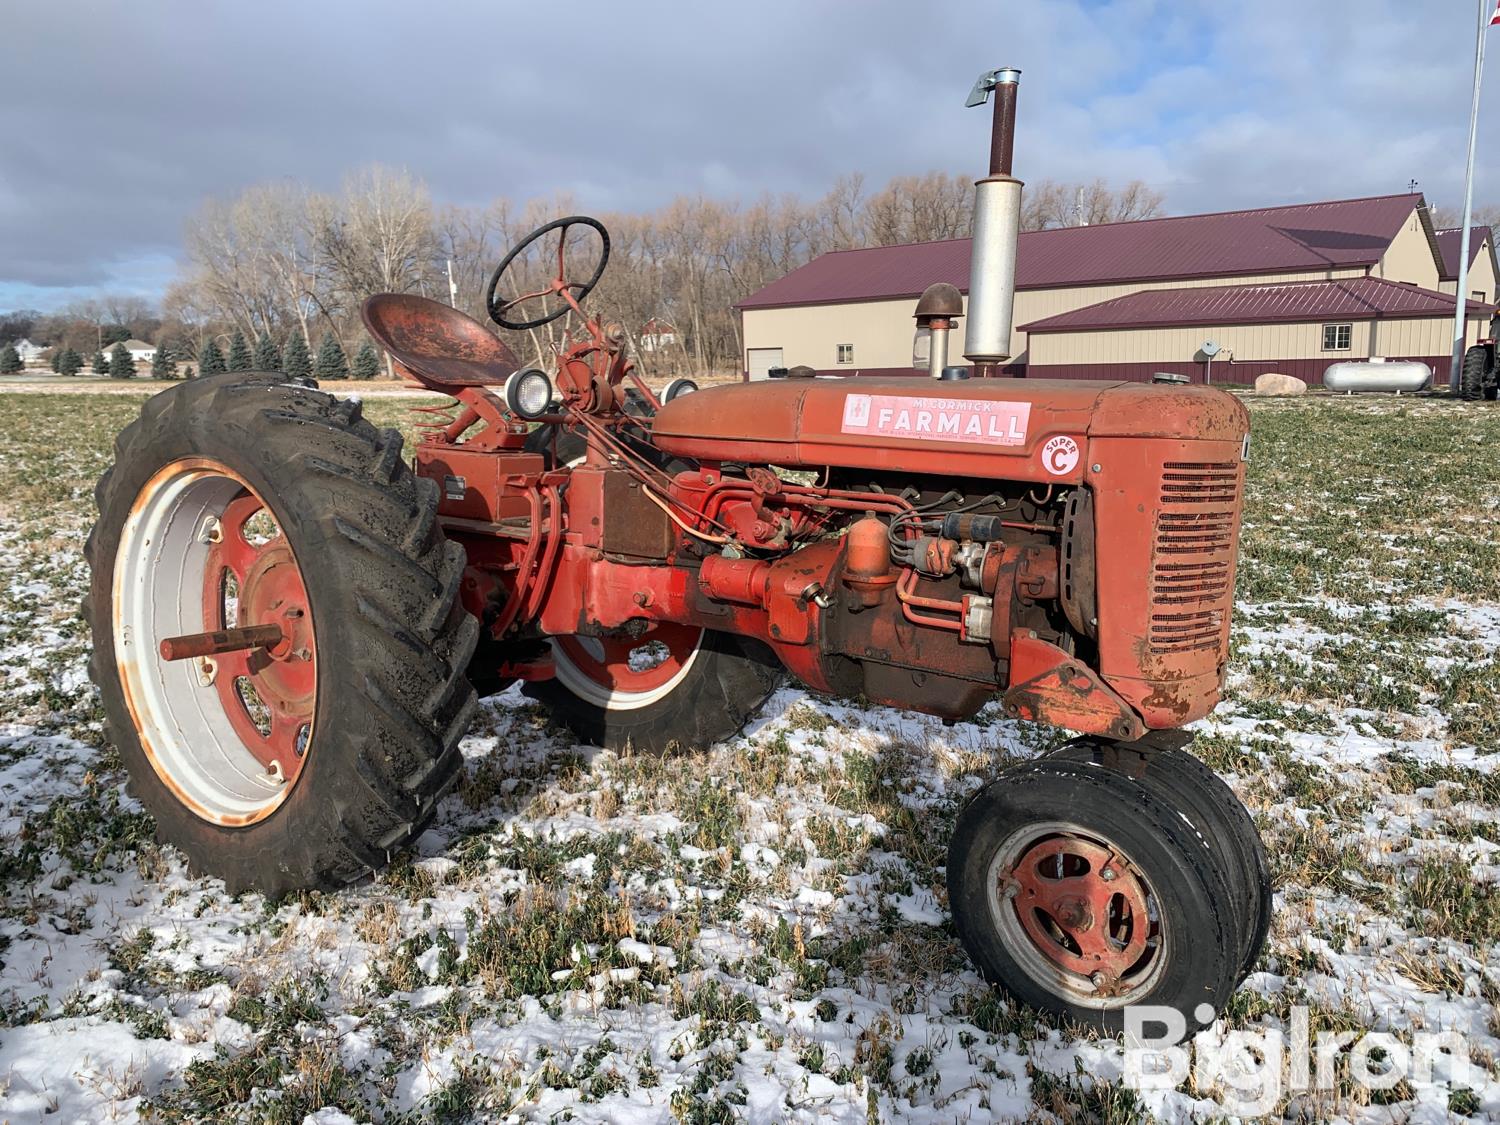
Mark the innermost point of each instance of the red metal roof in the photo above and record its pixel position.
(1360, 298)
(1342, 234)
(1448, 244)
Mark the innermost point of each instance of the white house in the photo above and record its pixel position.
(139, 350)
(29, 352)
(657, 335)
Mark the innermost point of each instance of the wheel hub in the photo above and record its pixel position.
(252, 578)
(1083, 908)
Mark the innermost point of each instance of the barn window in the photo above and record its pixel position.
(1337, 337)
(1477, 295)
(846, 353)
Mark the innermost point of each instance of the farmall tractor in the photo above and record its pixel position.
(290, 618)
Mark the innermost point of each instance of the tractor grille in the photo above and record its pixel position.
(1192, 572)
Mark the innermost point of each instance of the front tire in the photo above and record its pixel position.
(1204, 800)
(1080, 892)
(306, 764)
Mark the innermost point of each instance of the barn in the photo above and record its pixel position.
(1484, 273)
(1290, 289)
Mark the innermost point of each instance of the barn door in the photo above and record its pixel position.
(759, 361)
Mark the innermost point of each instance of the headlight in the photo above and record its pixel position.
(678, 387)
(528, 393)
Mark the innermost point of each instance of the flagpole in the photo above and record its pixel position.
(1460, 327)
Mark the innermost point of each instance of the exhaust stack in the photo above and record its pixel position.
(997, 226)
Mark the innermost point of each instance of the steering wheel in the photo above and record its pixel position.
(559, 284)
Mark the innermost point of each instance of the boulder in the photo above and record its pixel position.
(1275, 383)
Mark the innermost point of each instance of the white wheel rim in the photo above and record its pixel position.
(181, 722)
(608, 697)
(581, 684)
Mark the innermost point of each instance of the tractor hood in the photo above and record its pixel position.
(1023, 429)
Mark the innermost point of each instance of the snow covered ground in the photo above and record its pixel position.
(761, 933)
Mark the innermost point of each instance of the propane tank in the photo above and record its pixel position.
(997, 229)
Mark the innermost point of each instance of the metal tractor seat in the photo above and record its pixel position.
(441, 347)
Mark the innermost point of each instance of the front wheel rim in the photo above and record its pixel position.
(627, 673)
(1077, 914)
(229, 735)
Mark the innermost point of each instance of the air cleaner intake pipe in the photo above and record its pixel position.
(997, 226)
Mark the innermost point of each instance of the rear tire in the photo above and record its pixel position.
(390, 647)
(1472, 383)
(1166, 936)
(717, 684)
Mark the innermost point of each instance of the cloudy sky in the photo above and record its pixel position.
(119, 119)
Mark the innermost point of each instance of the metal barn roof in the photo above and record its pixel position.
(1341, 234)
(1448, 245)
(1362, 298)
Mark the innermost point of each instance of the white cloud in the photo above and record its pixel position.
(625, 105)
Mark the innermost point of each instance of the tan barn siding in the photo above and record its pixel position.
(1482, 274)
(1410, 256)
(1413, 338)
(1245, 343)
(881, 331)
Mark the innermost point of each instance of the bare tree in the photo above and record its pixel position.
(379, 238)
(279, 257)
(1447, 218)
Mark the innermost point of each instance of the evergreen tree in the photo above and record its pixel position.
(366, 362)
(164, 364)
(57, 354)
(211, 359)
(121, 366)
(296, 362)
(188, 372)
(331, 363)
(239, 353)
(267, 354)
(101, 363)
(10, 360)
(71, 362)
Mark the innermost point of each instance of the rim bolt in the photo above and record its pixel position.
(293, 612)
(1099, 980)
(1108, 874)
(303, 654)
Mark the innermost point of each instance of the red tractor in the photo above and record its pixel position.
(290, 618)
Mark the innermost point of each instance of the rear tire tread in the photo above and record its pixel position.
(313, 448)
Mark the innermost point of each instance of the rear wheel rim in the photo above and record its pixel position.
(627, 673)
(229, 735)
(1077, 914)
